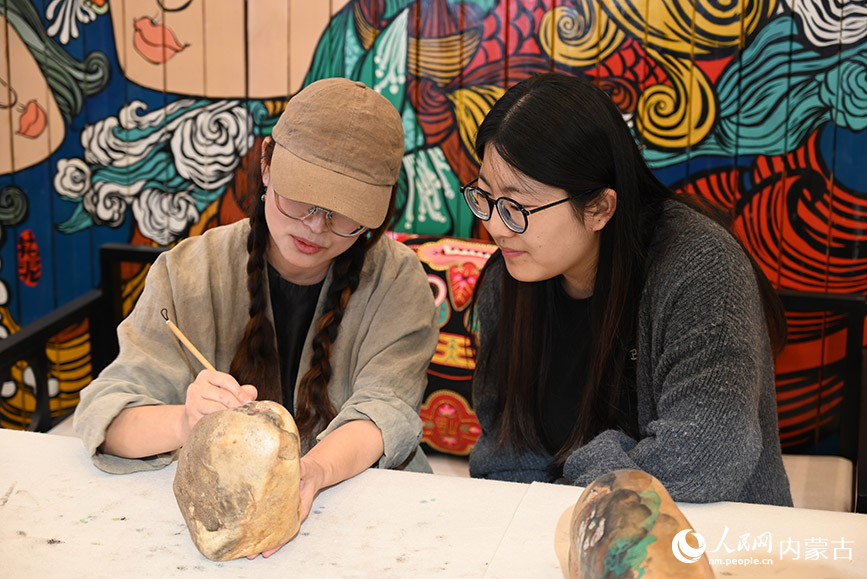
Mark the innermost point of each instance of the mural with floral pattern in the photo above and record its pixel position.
(128, 122)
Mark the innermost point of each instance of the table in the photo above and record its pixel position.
(62, 517)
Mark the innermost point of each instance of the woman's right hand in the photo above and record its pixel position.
(213, 391)
(142, 431)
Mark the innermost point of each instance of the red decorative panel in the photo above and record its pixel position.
(449, 424)
(29, 260)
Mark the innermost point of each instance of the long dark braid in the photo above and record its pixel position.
(312, 404)
(256, 361)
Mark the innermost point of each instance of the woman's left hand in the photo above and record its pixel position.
(312, 477)
(342, 454)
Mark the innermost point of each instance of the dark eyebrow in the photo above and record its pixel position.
(508, 189)
(513, 189)
(485, 191)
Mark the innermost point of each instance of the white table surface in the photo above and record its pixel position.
(536, 544)
(62, 517)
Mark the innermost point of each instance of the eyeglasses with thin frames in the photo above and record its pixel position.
(513, 214)
(338, 223)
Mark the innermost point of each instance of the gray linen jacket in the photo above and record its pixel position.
(707, 408)
(379, 361)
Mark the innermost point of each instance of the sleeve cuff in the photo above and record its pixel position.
(94, 419)
(401, 429)
(607, 452)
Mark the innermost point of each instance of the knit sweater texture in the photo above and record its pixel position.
(705, 386)
(378, 361)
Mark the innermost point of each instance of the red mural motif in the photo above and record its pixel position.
(29, 260)
(462, 281)
(804, 230)
(437, 71)
(802, 227)
(631, 63)
(810, 378)
(461, 260)
(449, 424)
(154, 42)
(626, 74)
(32, 122)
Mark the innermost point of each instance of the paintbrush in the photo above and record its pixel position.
(189, 345)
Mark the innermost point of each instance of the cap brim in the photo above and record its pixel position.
(296, 179)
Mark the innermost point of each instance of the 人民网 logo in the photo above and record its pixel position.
(683, 551)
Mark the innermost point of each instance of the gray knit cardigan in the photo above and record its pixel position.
(707, 408)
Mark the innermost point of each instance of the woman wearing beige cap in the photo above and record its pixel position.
(352, 310)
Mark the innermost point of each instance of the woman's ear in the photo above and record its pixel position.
(602, 210)
(264, 168)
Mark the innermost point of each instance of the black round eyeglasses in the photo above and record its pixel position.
(513, 214)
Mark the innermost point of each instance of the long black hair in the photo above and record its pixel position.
(565, 132)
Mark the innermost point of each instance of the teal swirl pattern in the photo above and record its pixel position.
(793, 90)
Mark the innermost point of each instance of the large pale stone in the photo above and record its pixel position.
(237, 481)
(625, 524)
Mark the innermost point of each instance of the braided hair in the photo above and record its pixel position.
(256, 359)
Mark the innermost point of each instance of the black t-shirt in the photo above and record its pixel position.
(293, 306)
(564, 387)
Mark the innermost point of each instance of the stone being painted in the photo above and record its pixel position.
(624, 526)
(237, 481)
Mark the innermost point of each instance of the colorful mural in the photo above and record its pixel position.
(453, 266)
(133, 120)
